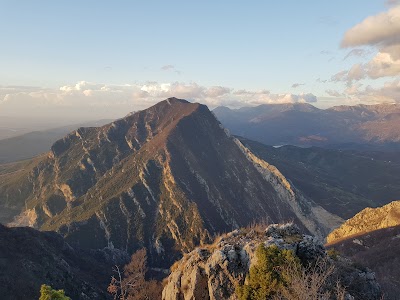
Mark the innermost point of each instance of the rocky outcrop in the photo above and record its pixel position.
(368, 220)
(214, 271)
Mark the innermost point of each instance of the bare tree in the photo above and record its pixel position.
(131, 284)
(311, 282)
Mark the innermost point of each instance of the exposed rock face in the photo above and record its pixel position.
(368, 220)
(212, 272)
(29, 258)
(377, 126)
(165, 178)
(315, 218)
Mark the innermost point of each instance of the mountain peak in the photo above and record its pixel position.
(165, 178)
(174, 99)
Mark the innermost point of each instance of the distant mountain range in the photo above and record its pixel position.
(367, 127)
(12, 126)
(363, 127)
(167, 178)
(34, 143)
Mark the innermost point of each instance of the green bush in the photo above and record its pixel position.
(333, 253)
(47, 293)
(267, 276)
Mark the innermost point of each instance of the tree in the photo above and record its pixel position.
(265, 278)
(47, 293)
(131, 284)
(278, 274)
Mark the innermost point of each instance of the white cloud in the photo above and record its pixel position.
(79, 101)
(340, 76)
(217, 91)
(333, 93)
(393, 51)
(170, 68)
(296, 85)
(167, 67)
(93, 100)
(356, 52)
(356, 72)
(388, 93)
(383, 32)
(353, 89)
(383, 65)
(392, 2)
(188, 91)
(383, 28)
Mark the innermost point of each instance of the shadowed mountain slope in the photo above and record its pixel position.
(378, 250)
(343, 182)
(29, 258)
(372, 237)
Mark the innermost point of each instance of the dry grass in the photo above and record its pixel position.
(257, 226)
(311, 282)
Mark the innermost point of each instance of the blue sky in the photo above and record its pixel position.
(252, 46)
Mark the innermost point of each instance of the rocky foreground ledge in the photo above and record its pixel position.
(214, 271)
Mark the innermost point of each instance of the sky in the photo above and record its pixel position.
(84, 60)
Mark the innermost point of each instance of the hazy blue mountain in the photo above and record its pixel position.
(34, 143)
(367, 127)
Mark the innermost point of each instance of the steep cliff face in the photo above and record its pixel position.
(166, 178)
(214, 271)
(368, 220)
(315, 218)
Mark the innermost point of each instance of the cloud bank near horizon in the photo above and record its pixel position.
(86, 98)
